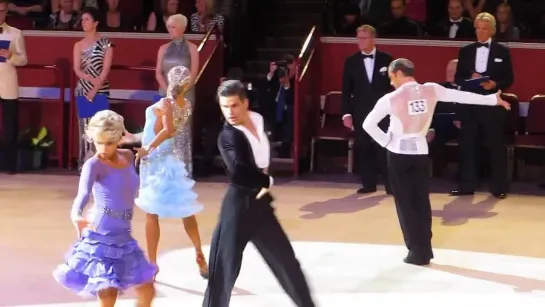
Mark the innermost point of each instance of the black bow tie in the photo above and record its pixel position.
(486, 45)
(367, 56)
(452, 23)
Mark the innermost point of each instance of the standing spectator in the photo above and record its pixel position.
(205, 17)
(507, 31)
(365, 80)
(179, 52)
(482, 124)
(10, 58)
(92, 63)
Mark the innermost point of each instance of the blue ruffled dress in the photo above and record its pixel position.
(106, 256)
(165, 188)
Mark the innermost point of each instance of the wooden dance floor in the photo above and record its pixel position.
(349, 245)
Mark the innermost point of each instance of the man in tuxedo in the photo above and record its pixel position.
(456, 26)
(365, 80)
(13, 56)
(484, 58)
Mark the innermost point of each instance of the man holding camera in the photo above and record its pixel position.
(279, 102)
(365, 80)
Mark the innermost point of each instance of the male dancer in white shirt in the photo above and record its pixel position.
(12, 56)
(411, 108)
(246, 212)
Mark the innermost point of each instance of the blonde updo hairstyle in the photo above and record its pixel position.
(105, 125)
(178, 82)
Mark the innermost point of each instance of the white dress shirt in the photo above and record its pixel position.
(481, 58)
(370, 64)
(9, 87)
(409, 125)
(261, 148)
(454, 28)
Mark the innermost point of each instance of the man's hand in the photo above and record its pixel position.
(430, 136)
(272, 67)
(347, 122)
(5, 53)
(488, 85)
(475, 75)
(502, 102)
(457, 124)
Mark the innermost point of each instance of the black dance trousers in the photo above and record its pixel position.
(244, 219)
(410, 182)
(10, 128)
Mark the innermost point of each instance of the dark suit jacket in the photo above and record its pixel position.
(359, 96)
(499, 69)
(238, 157)
(268, 104)
(465, 29)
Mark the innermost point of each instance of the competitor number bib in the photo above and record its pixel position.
(417, 107)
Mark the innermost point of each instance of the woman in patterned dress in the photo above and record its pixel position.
(92, 62)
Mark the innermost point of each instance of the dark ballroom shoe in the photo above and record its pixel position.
(415, 259)
(461, 193)
(499, 195)
(365, 190)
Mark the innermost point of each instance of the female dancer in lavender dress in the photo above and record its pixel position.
(166, 191)
(106, 259)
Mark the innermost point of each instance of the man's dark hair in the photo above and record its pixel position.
(232, 88)
(289, 58)
(405, 66)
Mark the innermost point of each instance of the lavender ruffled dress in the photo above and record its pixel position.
(106, 256)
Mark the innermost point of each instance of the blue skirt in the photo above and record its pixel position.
(98, 262)
(165, 188)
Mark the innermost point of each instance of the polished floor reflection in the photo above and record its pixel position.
(349, 245)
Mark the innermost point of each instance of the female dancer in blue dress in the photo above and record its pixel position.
(166, 191)
(106, 259)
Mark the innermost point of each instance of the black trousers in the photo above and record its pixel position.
(244, 219)
(370, 158)
(410, 181)
(483, 125)
(10, 127)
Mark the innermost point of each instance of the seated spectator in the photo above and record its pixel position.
(33, 9)
(456, 26)
(399, 25)
(157, 20)
(204, 19)
(506, 30)
(350, 21)
(475, 7)
(55, 5)
(115, 21)
(64, 19)
(416, 10)
(445, 125)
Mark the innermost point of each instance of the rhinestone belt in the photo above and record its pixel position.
(124, 215)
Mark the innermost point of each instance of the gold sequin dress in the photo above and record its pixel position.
(165, 188)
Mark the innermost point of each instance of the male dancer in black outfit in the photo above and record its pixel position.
(246, 213)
